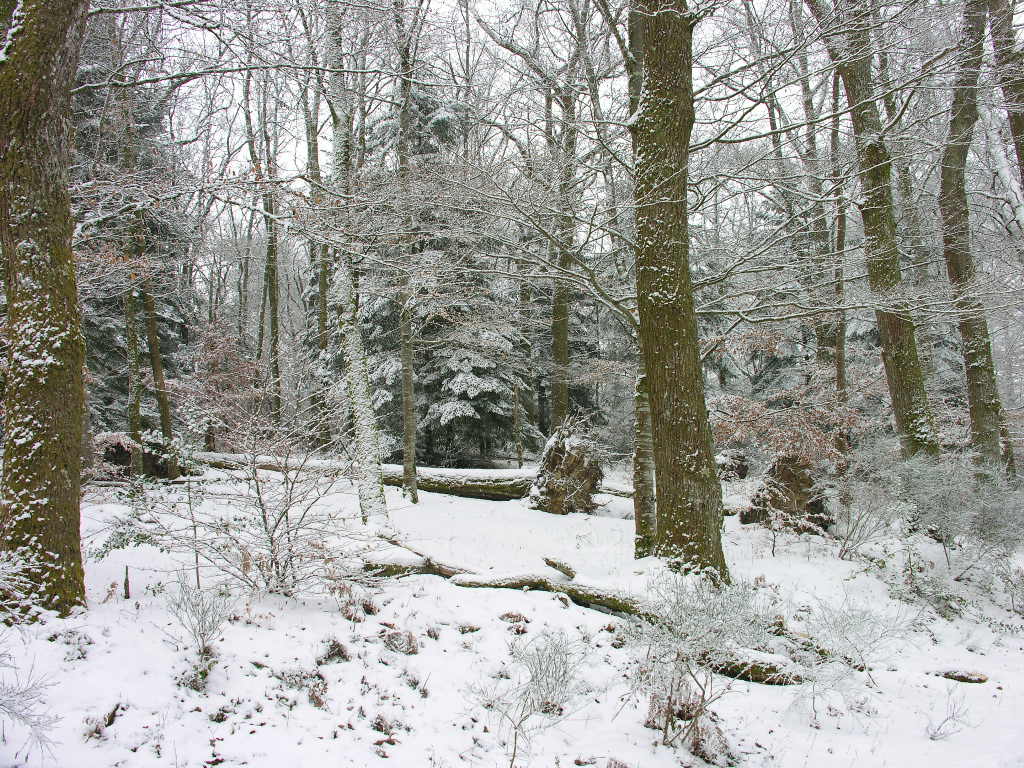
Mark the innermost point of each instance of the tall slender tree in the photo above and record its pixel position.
(848, 25)
(985, 405)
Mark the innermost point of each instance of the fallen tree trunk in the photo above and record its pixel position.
(744, 664)
(489, 484)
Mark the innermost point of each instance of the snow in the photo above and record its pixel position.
(386, 708)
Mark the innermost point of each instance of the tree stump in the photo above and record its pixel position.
(570, 473)
(788, 498)
(732, 465)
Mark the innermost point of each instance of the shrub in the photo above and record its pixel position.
(700, 626)
(22, 694)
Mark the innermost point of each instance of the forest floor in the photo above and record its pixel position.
(272, 699)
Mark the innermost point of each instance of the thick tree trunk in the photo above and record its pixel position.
(982, 393)
(156, 363)
(645, 515)
(44, 398)
(689, 495)
(851, 54)
(1010, 69)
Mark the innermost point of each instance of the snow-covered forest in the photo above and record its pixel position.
(519, 383)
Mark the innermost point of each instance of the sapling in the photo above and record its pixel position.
(537, 689)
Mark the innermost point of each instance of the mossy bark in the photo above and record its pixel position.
(689, 495)
(1010, 70)
(131, 333)
(44, 397)
(851, 53)
(156, 363)
(984, 403)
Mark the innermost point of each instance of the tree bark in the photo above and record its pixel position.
(983, 398)
(134, 379)
(1010, 70)
(406, 29)
(851, 54)
(645, 515)
(689, 495)
(44, 398)
(369, 481)
(156, 363)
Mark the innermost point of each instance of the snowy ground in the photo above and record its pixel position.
(270, 702)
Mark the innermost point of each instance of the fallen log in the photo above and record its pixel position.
(581, 594)
(758, 669)
(561, 566)
(742, 664)
(488, 484)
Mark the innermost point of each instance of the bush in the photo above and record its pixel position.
(22, 694)
(701, 626)
(201, 613)
(269, 531)
(977, 516)
(538, 690)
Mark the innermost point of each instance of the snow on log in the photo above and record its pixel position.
(490, 484)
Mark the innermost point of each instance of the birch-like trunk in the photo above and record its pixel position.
(368, 475)
(645, 516)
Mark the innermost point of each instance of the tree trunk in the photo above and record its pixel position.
(369, 480)
(408, 404)
(851, 54)
(982, 393)
(405, 62)
(44, 398)
(689, 495)
(564, 148)
(134, 379)
(645, 515)
(156, 363)
(838, 247)
(517, 425)
(1010, 69)
(270, 278)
